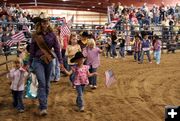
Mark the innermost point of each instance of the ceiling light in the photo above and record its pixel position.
(93, 6)
(88, 9)
(99, 3)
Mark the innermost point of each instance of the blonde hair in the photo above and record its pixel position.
(91, 42)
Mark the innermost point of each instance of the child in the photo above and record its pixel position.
(17, 77)
(137, 49)
(108, 47)
(81, 78)
(157, 50)
(146, 44)
(72, 48)
(92, 54)
(122, 46)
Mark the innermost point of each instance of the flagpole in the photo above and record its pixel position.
(35, 2)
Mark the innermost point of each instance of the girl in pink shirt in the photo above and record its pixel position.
(92, 54)
(81, 78)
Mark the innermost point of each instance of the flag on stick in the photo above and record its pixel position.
(16, 38)
(110, 79)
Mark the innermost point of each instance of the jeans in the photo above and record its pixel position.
(79, 99)
(18, 99)
(157, 56)
(55, 76)
(43, 72)
(93, 79)
(137, 56)
(108, 51)
(156, 20)
(113, 50)
(72, 76)
(121, 51)
(148, 55)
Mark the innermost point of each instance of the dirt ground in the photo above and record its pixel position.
(140, 94)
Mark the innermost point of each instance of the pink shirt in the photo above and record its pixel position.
(93, 56)
(15, 76)
(81, 75)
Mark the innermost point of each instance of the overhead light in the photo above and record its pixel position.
(93, 6)
(88, 9)
(99, 3)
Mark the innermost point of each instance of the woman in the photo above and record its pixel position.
(43, 40)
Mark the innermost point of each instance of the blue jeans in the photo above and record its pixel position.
(92, 79)
(148, 55)
(121, 51)
(137, 55)
(55, 76)
(79, 99)
(113, 50)
(157, 56)
(43, 72)
(72, 76)
(18, 99)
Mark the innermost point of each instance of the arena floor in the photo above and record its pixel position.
(140, 94)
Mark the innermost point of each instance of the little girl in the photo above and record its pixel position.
(137, 49)
(92, 54)
(157, 49)
(81, 78)
(71, 50)
(17, 76)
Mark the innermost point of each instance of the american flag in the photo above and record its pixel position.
(110, 79)
(65, 30)
(18, 37)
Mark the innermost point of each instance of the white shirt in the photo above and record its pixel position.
(17, 76)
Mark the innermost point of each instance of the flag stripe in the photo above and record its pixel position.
(16, 38)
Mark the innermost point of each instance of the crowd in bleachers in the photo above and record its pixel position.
(139, 16)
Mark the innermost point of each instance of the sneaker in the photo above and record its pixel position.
(43, 112)
(21, 110)
(94, 87)
(81, 109)
(90, 85)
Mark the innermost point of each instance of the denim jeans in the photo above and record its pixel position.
(43, 72)
(137, 56)
(55, 76)
(157, 56)
(92, 79)
(121, 51)
(148, 55)
(79, 99)
(18, 99)
(72, 76)
(113, 50)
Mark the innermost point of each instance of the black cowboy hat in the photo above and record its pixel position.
(39, 20)
(85, 34)
(78, 55)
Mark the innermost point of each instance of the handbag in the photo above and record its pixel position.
(31, 87)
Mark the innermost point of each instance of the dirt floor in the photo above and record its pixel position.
(140, 94)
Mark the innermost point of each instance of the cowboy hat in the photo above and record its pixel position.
(77, 56)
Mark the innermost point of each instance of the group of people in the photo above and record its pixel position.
(144, 15)
(77, 55)
(44, 57)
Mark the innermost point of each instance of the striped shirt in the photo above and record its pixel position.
(137, 46)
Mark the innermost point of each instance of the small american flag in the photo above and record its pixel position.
(65, 30)
(110, 79)
(18, 37)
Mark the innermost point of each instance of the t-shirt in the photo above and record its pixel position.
(71, 51)
(81, 75)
